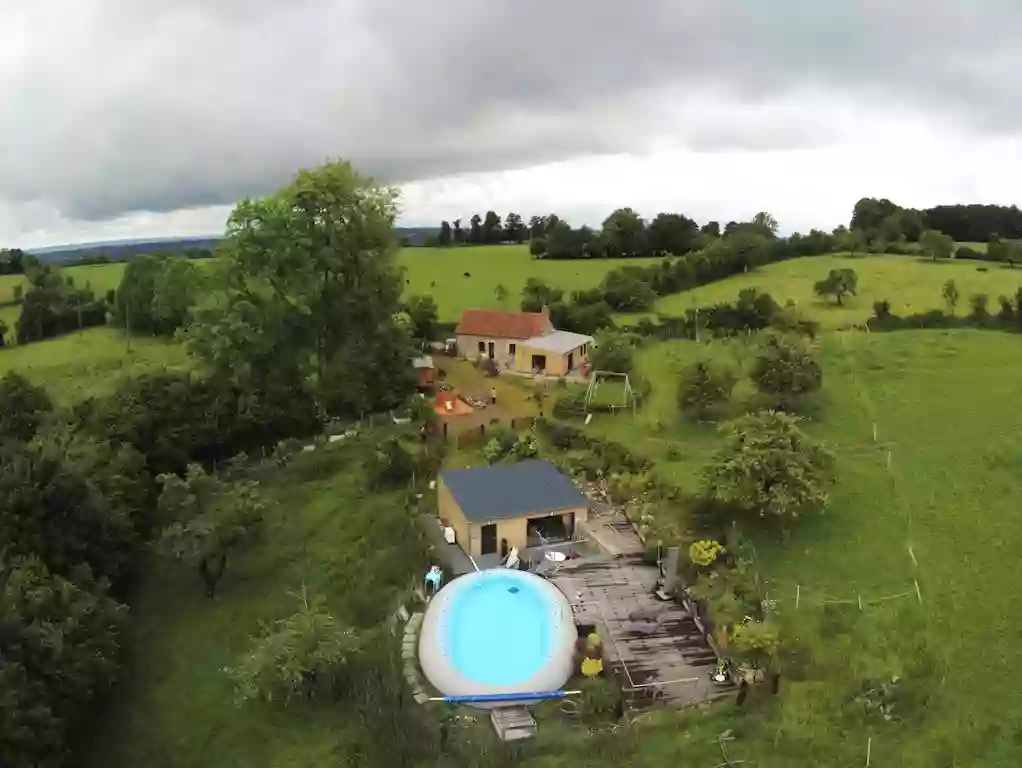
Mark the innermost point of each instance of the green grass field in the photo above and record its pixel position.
(440, 272)
(78, 365)
(945, 406)
(911, 284)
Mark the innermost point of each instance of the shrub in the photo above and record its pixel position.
(882, 309)
(23, 406)
(302, 655)
(786, 370)
(704, 387)
(705, 552)
(978, 307)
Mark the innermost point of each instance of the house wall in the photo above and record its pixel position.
(449, 510)
(468, 347)
(515, 530)
(556, 363)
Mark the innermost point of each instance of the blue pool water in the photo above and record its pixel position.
(499, 631)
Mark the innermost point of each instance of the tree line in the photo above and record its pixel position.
(881, 218)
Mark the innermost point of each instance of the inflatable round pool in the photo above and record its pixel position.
(498, 631)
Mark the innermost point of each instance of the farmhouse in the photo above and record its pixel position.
(493, 509)
(523, 342)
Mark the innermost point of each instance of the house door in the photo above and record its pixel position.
(492, 349)
(488, 545)
(571, 360)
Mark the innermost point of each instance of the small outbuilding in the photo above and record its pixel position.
(425, 372)
(494, 509)
(554, 354)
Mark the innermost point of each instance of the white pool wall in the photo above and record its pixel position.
(448, 679)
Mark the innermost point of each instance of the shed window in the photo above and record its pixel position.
(482, 346)
(511, 349)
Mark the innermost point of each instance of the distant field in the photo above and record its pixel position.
(440, 272)
(911, 284)
(78, 365)
(945, 406)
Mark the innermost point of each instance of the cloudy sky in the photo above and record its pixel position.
(138, 118)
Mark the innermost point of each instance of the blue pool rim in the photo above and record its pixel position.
(444, 674)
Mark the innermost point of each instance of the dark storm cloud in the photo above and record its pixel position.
(123, 106)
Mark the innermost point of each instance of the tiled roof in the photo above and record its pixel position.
(498, 324)
(511, 490)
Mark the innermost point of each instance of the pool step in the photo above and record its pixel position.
(513, 723)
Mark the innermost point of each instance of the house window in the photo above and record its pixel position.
(482, 347)
(510, 349)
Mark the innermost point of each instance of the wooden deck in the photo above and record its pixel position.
(669, 665)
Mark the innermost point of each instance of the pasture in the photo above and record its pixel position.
(440, 272)
(945, 407)
(79, 365)
(912, 284)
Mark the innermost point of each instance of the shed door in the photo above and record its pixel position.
(489, 541)
(571, 360)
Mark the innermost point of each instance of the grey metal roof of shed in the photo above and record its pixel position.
(505, 491)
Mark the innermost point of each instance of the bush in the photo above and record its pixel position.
(173, 419)
(786, 370)
(22, 407)
(705, 386)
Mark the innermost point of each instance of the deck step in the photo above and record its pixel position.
(513, 723)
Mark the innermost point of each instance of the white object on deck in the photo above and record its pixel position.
(556, 557)
(449, 535)
(512, 558)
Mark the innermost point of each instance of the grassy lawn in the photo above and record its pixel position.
(945, 406)
(324, 530)
(440, 272)
(911, 284)
(78, 365)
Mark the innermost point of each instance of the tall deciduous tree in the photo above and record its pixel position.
(493, 231)
(59, 647)
(936, 244)
(308, 288)
(475, 232)
(211, 519)
(769, 468)
(49, 511)
(444, 238)
(626, 233)
(422, 311)
(458, 234)
(537, 227)
(672, 233)
(514, 228)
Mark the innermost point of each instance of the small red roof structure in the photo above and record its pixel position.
(498, 324)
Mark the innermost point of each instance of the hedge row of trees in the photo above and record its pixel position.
(12, 261)
(879, 218)
(52, 305)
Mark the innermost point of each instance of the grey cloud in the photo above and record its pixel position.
(148, 105)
